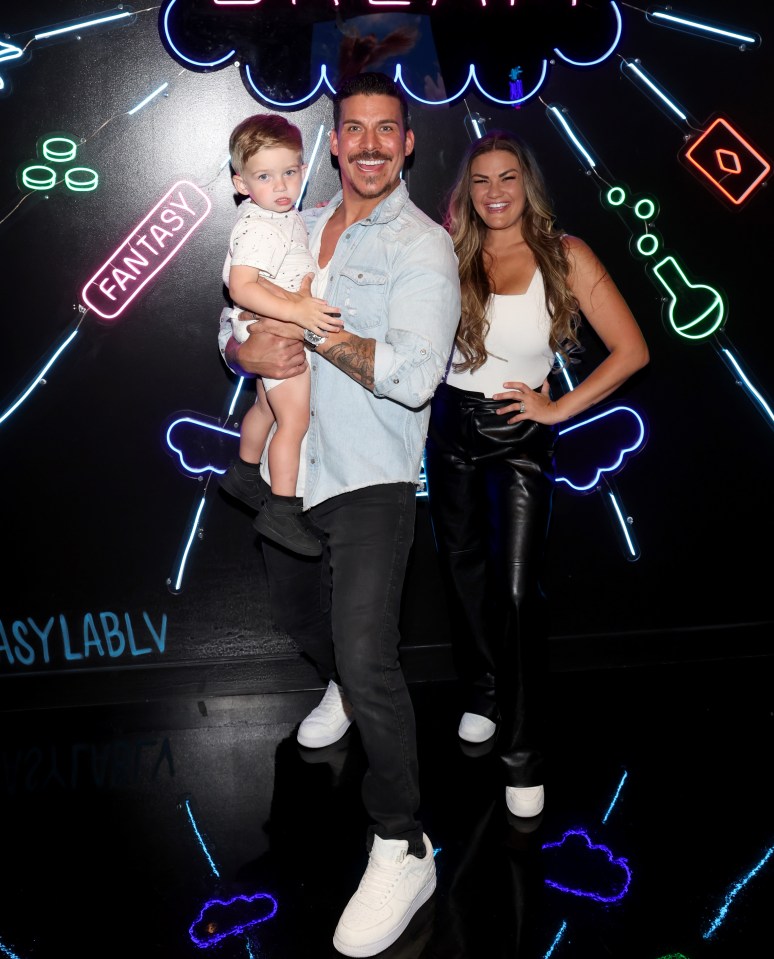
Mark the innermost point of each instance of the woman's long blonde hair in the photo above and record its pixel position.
(468, 232)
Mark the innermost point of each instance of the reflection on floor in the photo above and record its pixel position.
(192, 828)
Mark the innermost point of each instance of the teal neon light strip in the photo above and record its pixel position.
(670, 19)
(614, 800)
(39, 379)
(643, 77)
(83, 25)
(557, 939)
(734, 892)
(631, 550)
(181, 571)
(148, 99)
(200, 839)
(310, 162)
(557, 114)
(6, 951)
(747, 386)
(237, 391)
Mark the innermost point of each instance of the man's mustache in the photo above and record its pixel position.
(366, 155)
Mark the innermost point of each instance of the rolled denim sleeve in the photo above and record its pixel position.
(423, 315)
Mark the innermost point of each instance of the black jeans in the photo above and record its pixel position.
(343, 610)
(490, 487)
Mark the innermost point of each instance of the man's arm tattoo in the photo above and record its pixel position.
(355, 359)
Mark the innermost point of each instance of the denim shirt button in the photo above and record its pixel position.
(396, 380)
(313, 461)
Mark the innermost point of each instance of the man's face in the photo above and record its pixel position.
(371, 145)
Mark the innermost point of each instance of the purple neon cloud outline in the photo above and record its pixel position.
(203, 424)
(621, 455)
(621, 862)
(236, 930)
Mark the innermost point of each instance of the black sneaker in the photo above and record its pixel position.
(248, 490)
(280, 520)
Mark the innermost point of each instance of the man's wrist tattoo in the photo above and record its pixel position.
(355, 361)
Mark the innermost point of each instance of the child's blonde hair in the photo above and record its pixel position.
(261, 131)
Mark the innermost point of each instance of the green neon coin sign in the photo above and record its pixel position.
(59, 149)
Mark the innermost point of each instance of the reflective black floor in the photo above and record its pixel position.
(131, 830)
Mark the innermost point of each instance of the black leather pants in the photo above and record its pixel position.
(489, 491)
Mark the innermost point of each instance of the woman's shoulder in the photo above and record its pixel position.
(579, 253)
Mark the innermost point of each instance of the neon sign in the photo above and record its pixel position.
(289, 53)
(58, 148)
(147, 249)
(726, 161)
(611, 874)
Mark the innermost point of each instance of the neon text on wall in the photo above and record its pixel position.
(147, 249)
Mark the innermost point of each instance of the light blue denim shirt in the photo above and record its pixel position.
(394, 276)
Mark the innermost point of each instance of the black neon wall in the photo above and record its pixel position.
(95, 512)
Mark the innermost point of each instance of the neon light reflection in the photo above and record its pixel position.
(237, 928)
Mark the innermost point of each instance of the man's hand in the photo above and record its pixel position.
(268, 352)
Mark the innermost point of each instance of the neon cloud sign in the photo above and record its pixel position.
(147, 250)
(290, 53)
(588, 869)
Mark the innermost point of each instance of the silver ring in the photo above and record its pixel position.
(522, 407)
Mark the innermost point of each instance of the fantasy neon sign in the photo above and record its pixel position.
(289, 53)
(147, 249)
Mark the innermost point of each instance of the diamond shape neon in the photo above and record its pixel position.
(728, 155)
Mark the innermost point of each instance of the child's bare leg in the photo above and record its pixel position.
(256, 423)
(281, 519)
(289, 402)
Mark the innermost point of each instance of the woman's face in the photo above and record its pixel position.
(497, 189)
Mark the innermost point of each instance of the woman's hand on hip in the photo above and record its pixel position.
(528, 404)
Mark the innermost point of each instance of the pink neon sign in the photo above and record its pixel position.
(147, 249)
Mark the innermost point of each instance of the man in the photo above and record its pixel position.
(393, 274)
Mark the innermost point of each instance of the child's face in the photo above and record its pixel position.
(272, 178)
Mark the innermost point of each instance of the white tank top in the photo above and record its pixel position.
(516, 344)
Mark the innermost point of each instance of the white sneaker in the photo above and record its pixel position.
(475, 728)
(524, 801)
(392, 889)
(328, 722)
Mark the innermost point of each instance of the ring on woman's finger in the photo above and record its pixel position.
(522, 407)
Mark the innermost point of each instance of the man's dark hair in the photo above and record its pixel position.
(369, 84)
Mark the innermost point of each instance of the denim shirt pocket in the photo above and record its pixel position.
(362, 296)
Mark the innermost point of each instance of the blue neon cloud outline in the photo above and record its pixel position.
(196, 63)
(618, 862)
(472, 79)
(620, 455)
(181, 453)
(233, 930)
(611, 48)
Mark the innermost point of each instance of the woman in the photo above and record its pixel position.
(489, 455)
